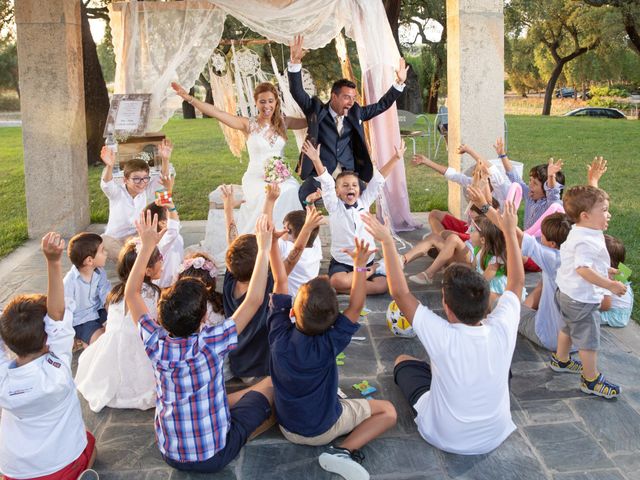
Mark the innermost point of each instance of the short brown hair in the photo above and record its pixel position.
(296, 219)
(135, 165)
(616, 250)
(160, 210)
(241, 257)
(317, 304)
(83, 245)
(22, 324)
(582, 198)
(556, 227)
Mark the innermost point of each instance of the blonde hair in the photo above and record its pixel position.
(277, 120)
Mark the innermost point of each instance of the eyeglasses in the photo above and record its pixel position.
(139, 180)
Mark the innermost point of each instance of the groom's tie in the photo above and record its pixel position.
(339, 122)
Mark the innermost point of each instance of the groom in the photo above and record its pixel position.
(336, 125)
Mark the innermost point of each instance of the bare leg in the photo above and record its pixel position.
(421, 249)
(589, 359)
(453, 250)
(533, 299)
(96, 335)
(342, 283)
(383, 417)
(564, 345)
(435, 221)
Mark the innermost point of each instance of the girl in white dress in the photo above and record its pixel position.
(266, 138)
(115, 371)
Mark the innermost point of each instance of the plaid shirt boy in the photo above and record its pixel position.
(533, 209)
(192, 413)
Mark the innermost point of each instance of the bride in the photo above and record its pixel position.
(266, 138)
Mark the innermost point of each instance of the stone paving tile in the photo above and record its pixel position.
(126, 447)
(390, 348)
(514, 459)
(629, 463)
(567, 447)
(545, 384)
(538, 412)
(158, 474)
(597, 475)
(613, 422)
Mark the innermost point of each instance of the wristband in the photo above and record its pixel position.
(360, 269)
(504, 155)
(191, 100)
(172, 209)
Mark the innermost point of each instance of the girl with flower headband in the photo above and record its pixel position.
(201, 266)
(115, 371)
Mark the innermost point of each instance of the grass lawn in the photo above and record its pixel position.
(203, 161)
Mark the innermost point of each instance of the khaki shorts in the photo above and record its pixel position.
(113, 246)
(354, 412)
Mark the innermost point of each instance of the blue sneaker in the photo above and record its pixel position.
(599, 387)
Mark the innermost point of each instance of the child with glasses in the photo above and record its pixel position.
(128, 199)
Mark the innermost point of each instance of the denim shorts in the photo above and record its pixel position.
(85, 330)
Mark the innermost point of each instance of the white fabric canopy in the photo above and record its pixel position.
(160, 42)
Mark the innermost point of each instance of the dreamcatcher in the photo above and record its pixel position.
(221, 83)
(247, 74)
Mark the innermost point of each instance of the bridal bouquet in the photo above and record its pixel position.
(276, 170)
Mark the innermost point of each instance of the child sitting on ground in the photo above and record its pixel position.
(128, 199)
(250, 359)
(198, 426)
(115, 371)
(171, 245)
(300, 246)
(305, 375)
(461, 398)
(539, 315)
(86, 283)
(343, 200)
(41, 431)
(440, 221)
(615, 311)
(583, 280)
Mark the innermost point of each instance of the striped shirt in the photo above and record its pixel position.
(533, 209)
(192, 414)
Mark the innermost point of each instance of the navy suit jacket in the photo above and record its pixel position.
(315, 111)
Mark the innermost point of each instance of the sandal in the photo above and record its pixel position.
(421, 278)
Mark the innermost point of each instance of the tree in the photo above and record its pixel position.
(520, 65)
(566, 29)
(630, 11)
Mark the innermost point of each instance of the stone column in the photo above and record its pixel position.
(475, 83)
(53, 120)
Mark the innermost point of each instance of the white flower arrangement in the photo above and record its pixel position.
(276, 170)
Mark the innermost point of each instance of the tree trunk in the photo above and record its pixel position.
(96, 96)
(188, 110)
(551, 86)
(632, 30)
(434, 88)
(411, 99)
(208, 98)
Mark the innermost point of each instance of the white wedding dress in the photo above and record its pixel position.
(262, 144)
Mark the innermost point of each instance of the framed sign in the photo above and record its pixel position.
(128, 115)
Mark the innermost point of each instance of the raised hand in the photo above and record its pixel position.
(273, 191)
(553, 167)
(165, 148)
(375, 228)
(509, 218)
(108, 156)
(401, 72)
(167, 181)
(147, 228)
(499, 146)
(314, 154)
(595, 171)
(181, 91)
(264, 232)
(399, 151)
(462, 149)
(312, 197)
(52, 246)
(228, 198)
(296, 50)
(313, 219)
(419, 159)
(361, 253)
(477, 196)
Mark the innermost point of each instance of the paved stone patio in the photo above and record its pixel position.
(562, 434)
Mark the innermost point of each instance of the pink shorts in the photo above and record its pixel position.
(75, 468)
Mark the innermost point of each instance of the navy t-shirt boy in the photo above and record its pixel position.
(304, 371)
(251, 356)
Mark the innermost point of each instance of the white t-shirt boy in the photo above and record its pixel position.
(41, 429)
(467, 409)
(584, 247)
(308, 265)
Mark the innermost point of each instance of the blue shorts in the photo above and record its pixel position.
(246, 416)
(85, 330)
